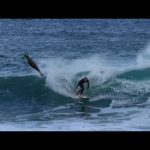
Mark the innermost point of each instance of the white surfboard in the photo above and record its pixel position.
(82, 97)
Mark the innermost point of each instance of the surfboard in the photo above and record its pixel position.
(84, 103)
(82, 97)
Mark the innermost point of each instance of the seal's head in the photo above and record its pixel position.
(26, 56)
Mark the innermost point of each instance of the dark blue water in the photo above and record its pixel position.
(113, 53)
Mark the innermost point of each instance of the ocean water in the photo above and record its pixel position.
(113, 53)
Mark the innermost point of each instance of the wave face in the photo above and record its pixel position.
(119, 87)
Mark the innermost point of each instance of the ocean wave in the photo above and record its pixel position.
(129, 87)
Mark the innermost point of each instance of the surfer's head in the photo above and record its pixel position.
(85, 79)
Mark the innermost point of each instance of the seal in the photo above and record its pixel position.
(33, 64)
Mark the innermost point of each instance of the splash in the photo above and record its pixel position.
(143, 57)
(62, 75)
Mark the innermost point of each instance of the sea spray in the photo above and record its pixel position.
(63, 75)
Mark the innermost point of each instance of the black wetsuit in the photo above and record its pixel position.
(80, 83)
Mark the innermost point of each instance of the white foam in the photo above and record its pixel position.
(143, 57)
(61, 74)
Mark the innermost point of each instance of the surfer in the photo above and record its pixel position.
(33, 64)
(80, 83)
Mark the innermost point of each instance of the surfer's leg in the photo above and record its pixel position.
(81, 91)
(77, 92)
